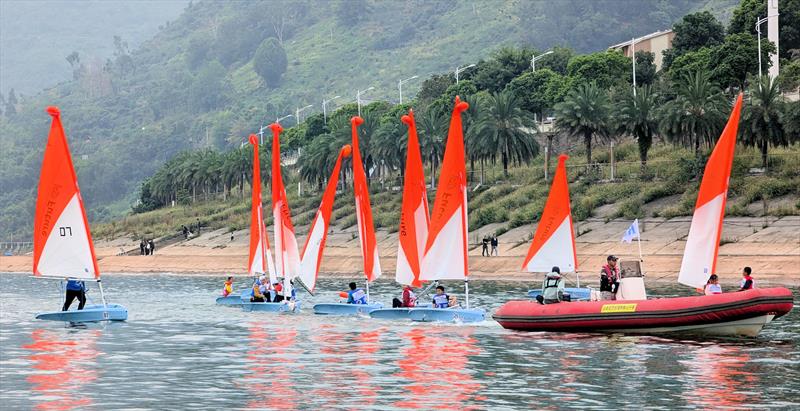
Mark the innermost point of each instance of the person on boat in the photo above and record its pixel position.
(713, 287)
(75, 289)
(408, 298)
(748, 282)
(293, 293)
(552, 288)
(440, 299)
(452, 301)
(265, 289)
(256, 296)
(227, 289)
(609, 279)
(356, 295)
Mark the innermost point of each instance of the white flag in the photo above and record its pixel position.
(632, 232)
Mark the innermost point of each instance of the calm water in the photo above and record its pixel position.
(179, 350)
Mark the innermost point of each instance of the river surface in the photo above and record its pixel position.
(178, 350)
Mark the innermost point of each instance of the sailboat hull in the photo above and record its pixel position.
(281, 307)
(451, 315)
(740, 313)
(234, 299)
(391, 314)
(576, 294)
(90, 313)
(345, 309)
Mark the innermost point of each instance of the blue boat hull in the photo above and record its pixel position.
(281, 307)
(447, 315)
(345, 309)
(90, 313)
(391, 314)
(576, 294)
(234, 299)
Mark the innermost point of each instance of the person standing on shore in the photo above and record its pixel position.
(485, 250)
(152, 247)
(495, 243)
(141, 247)
(609, 279)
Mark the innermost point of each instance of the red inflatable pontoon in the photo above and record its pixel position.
(737, 313)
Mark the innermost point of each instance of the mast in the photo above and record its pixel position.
(287, 258)
(260, 260)
(366, 228)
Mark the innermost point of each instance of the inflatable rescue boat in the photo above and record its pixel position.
(742, 313)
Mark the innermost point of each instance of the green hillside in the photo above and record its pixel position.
(194, 85)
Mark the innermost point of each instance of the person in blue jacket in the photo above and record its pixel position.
(75, 289)
(440, 299)
(356, 295)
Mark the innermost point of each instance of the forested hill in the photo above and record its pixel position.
(224, 68)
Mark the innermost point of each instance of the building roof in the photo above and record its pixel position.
(640, 39)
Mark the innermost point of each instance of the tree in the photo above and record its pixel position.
(645, 67)
(789, 79)
(697, 114)
(507, 130)
(737, 58)
(691, 62)
(505, 64)
(745, 16)
(538, 91)
(208, 88)
(557, 60)
(636, 115)
(585, 112)
(270, 62)
(11, 103)
(432, 129)
(693, 32)
(762, 120)
(197, 51)
(789, 36)
(351, 12)
(606, 69)
(791, 120)
(433, 87)
(749, 12)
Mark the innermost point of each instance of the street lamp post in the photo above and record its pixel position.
(358, 98)
(400, 86)
(535, 57)
(284, 118)
(460, 69)
(758, 30)
(300, 110)
(324, 112)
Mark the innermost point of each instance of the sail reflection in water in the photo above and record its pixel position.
(435, 365)
(270, 361)
(62, 365)
(721, 378)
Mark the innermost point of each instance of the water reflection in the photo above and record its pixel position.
(435, 364)
(270, 361)
(721, 378)
(64, 362)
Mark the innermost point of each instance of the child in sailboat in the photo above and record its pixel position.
(356, 295)
(75, 289)
(256, 296)
(227, 289)
(440, 299)
(713, 287)
(409, 299)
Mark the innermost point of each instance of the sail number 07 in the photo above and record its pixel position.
(65, 231)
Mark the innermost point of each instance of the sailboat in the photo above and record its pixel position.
(366, 234)
(553, 243)
(311, 258)
(62, 243)
(287, 259)
(260, 260)
(742, 313)
(414, 221)
(445, 255)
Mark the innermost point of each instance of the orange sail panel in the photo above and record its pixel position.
(260, 260)
(554, 241)
(414, 216)
(702, 244)
(287, 258)
(311, 258)
(62, 243)
(366, 228)
(446, 246)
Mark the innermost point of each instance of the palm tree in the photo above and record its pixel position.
(432, 129)
(507, 130)
(584, 112)
(762, 123)
(636, 115)
(390, 144)
(697, 114)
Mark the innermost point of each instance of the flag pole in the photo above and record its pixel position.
(639, 241)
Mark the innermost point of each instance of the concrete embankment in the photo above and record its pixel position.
(771, 247)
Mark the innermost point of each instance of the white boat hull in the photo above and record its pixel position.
(749, 327)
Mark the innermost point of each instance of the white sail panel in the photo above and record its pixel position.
(558, 251)
(312, 255)
(446, 258)
(67, 252)
(702, 243)
(404, 274)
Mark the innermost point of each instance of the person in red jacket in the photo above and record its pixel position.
(409, 299)
(748, 282)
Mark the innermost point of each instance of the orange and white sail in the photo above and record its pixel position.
(366, 228)
(260, 260)
(446, 246)
(62, 243)
(414, 216)
(287, 258)
(315, 242)
(554, 241)
(702, 244)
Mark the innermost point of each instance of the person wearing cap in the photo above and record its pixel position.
(265, 289)
(609, 279)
